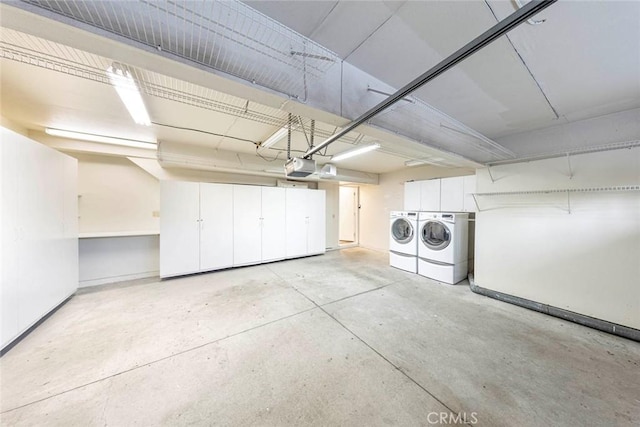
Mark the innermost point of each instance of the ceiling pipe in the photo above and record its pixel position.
(493, 33)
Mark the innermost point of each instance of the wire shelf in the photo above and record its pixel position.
(25, 48)
(552, 197)
(227, 36)
(570, 152)
(568, 190)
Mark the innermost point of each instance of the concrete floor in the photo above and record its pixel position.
(339, 339)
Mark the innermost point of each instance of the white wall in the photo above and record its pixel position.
(116, 195)
(586, 261)
(332, 212)
(115, 259)
(38, 232)
(378, 201)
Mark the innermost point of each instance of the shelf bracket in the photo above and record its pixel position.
(569, 164)
(476, 202)
(490, 175)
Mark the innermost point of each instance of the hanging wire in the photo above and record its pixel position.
(313, 131)
(289, 138)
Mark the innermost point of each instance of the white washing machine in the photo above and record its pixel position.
(403, 241)
(443, 246)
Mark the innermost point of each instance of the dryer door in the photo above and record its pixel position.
(435, 235)
(401, 230)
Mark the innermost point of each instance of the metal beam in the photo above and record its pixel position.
(484, 39)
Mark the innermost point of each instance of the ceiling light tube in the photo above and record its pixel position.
(428, 161)
(415, 162)
(129, 94)
(354, 152)
(101, 138)
(277, 136)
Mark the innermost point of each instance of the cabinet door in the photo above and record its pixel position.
(179, 228)
(316, 222)
(412, 196)
(451, 194)
(296, 227)
(273, 223)
(247, 221)
(469, 187)
(216, 226)
(430, 195)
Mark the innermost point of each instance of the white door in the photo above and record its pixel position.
(347, 213)
(273, 223)
(247, 230)
(452, 194)
(179, 228)
(296, 222)
(430, 195)
(216, 226)
(316, 222)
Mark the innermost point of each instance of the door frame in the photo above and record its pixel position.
(356, 241)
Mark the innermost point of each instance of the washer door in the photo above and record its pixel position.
(436, 235)
(402, 230)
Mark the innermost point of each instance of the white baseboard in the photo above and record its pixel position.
(115, 279)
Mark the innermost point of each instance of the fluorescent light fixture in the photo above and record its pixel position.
(416, 162)
(277, 136)
(354, 152)
(101, 138)
(428, 161)
(129, 93)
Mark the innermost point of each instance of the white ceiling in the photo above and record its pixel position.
(583, 62)
(585, 57)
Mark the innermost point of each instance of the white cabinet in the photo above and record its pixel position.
(247, 215)
(296, 222)
(468, 188)
(441, 195)
(305, 224)
(206, 227)
(412, 195)
(259, 221)
(216, 223)
(273, 223)
(430, 195)
(451, 194)
(316, 220)
(179, 228)
(38, 231)
(196, 227)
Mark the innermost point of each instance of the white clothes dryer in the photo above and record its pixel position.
(443, 236)
(443, 246)
(403, 241)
